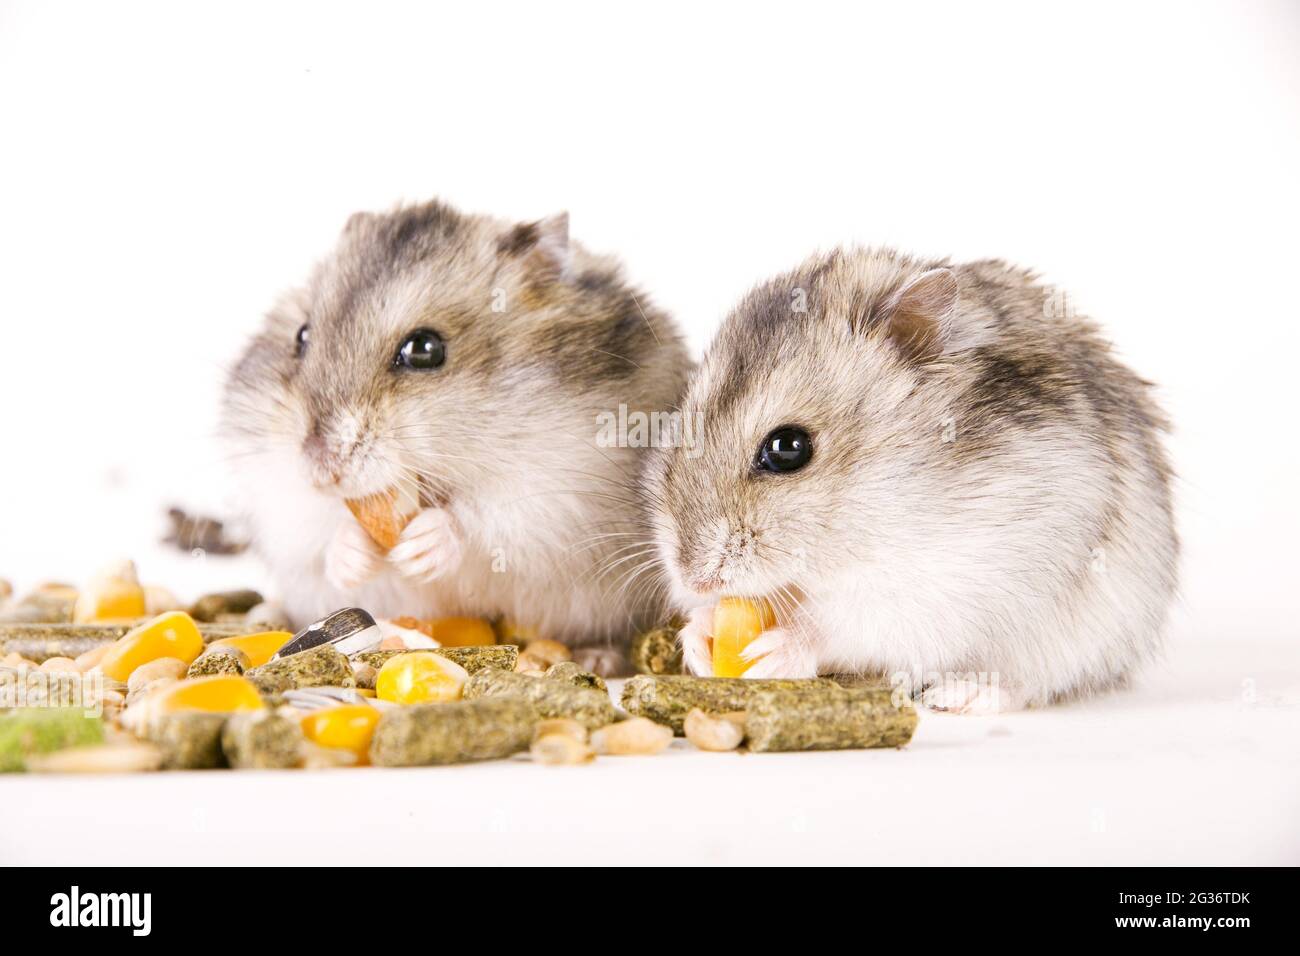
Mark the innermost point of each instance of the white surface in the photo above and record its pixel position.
(169, 168)
(1198, 767)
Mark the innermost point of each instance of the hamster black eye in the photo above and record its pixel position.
(423, 351)
(786, 449)
(301, 341)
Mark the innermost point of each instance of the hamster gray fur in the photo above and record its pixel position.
(525, 511)
(986, 513)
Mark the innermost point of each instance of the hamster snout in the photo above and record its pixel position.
(918, 463)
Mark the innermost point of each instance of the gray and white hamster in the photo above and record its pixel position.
(465, 361)
(935, 473)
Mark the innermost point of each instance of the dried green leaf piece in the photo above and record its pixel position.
(847, 719)
(261, 740)
(319, 667)
(668, 699)
(551, 698)
(423, 734)
(40, 730)
(657, 652)
(571, 673)
(211, 607)
(189, 740)
(473, 659)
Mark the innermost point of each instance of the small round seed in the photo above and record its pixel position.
(145, 674)
(637, 735)
(60, 664)
(547, 651)
(715, 731)
(564, 726)
(561, 750)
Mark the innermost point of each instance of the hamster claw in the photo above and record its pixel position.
(352, 558)
(429, 547)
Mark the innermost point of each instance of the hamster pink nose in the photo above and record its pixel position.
(325, 464)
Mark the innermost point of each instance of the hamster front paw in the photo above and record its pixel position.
(352, 558)
(696, 638)
(429, 547)
(778, 652)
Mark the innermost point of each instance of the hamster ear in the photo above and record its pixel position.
(916, 316)
(543, 246)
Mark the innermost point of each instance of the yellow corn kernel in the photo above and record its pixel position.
(173, 634)
(736, 622)
(220, 693)
(259, 647)
(460, 631)
(343, 728)
(420, 677)
(109, 599)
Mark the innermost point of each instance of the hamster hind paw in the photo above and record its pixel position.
(973, 698)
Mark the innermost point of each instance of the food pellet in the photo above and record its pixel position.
(420, 677)
(188, 740)
(657, 652)
(716, 732)
(473, 659)
(669, 698)
(841, 720)
(486, 729)
(560, 750)
(736, 623)
(570, 672)
(48, 604)
(319, 667)
(168, 635)
(551, 698)
(349, 727)
(636, 735)
(261, 740)
(219, 659)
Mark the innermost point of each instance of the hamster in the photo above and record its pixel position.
(465, 362)
(936, 473)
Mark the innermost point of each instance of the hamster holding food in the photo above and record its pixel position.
(933, 473)
(458, 364)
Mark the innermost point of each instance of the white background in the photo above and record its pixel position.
(166, 169)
